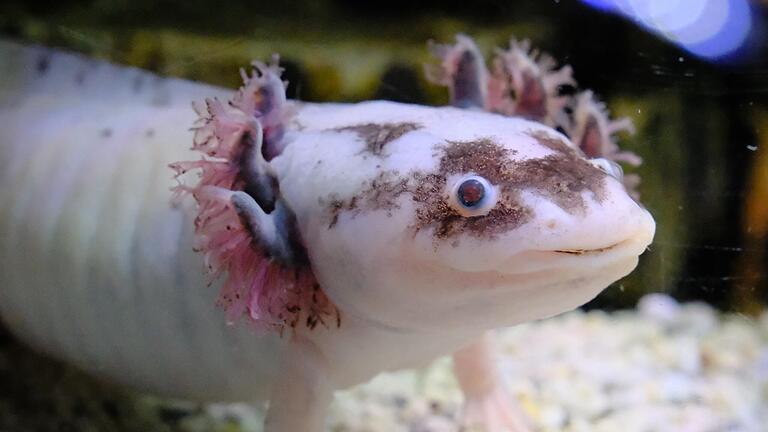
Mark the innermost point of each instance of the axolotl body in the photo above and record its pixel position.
(353, 238)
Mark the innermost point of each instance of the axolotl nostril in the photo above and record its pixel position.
(343, 239)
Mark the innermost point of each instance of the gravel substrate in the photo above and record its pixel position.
(664, 367)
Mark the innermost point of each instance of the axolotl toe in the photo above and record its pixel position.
(343, 239)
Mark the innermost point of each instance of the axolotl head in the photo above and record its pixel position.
(440, 217)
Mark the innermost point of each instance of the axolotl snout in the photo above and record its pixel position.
(391, 219)
(355, 238)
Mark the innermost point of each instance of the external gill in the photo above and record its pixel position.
(461, 69)
(592, 131)
(526, 83)
(245, 231)
(263, 95)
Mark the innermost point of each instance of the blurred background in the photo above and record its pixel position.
(692, 75)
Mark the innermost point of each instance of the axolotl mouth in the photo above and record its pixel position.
(558, 233)
(586, 251)
(551, 265)
(537, 284)
(512, 280)
(578, 259)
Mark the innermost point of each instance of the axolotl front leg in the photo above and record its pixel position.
(301, 392)
(358, 237)
(525, 84)
(487, 404)
(277, 210)
(250, 208)
(246, 230)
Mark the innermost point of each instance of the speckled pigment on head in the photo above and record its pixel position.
(553, 142)
(483, 157)
(377, 135)
(561, 177)
(379, 193)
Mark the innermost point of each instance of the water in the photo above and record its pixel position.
(702, 131)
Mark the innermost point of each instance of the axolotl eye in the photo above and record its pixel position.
(473, 196)
(609, 167)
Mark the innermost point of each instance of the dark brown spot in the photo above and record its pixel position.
(386, 188)
(563, 176)
(335, 208)
(433, 210)
(377, 135)
(380, 193)
(552, 142)
(483, 157)
(560, 177)
(43, 63)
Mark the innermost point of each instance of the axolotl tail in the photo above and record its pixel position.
(96, 265)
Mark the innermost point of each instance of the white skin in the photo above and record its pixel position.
(131, 304)
(406, 295)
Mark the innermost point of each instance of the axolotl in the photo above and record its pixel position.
(344, 239)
